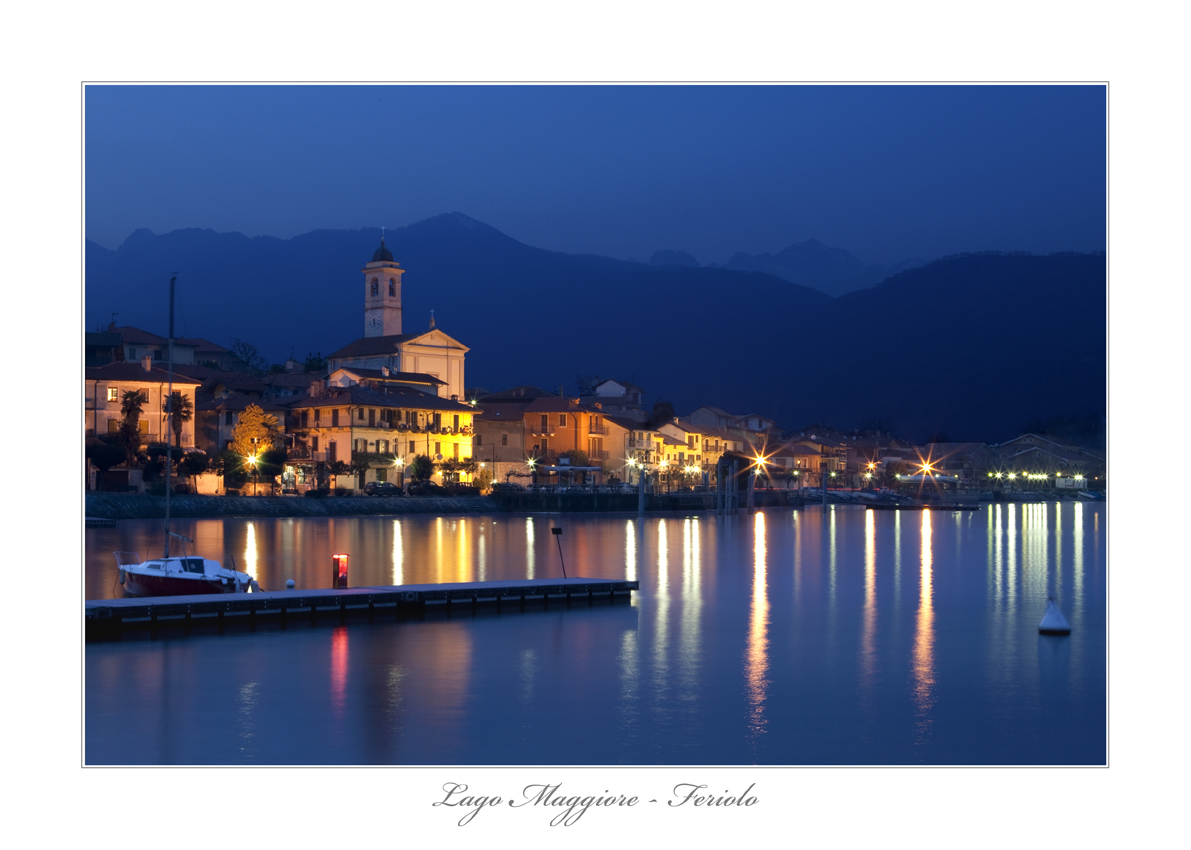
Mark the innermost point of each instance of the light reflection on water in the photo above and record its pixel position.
(756, 664)
(778, 638)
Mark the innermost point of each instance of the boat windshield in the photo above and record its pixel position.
(193, 565)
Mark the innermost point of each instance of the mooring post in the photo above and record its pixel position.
(557, 532)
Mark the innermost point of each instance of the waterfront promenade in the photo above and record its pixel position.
(117, 506)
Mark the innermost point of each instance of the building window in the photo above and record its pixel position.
(456, 451)
(335, 419)
(456, 421)
(562, 420)
(143, 426)
(375, 287)
(227, 418)
(361, 412)
(392, 288)
(545, 421)
(314, 443)
(305, 415)
(438, 448)
(316, 416)
(504, 439)
(479, 441)
(113, 426)
(331, 451)
(382, 474)
(113, 393)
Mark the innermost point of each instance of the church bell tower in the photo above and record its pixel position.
(382, 294)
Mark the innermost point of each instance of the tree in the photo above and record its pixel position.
(587, 383)
(131, 404)
(255, 432)
(483, 478)
(104, 455)
(270, 463)
(247, 353)
(336, 468)
(360, 466)
(192, 465)
(183, 411)
(663, 412)
(314, 363)
(578, 457)
(421, 468)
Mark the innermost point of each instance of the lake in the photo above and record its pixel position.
(787, 637)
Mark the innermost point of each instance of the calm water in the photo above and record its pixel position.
(788, 637)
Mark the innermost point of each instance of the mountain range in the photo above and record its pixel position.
(974, 345)
(832, 271)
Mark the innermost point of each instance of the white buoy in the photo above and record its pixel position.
(289, 584)
(1053, 621)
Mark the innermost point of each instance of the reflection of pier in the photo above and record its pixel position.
(108, 617)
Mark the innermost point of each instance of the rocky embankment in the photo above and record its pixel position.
(137, 506)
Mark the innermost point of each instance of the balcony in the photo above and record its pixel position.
(598, 455)
(598, 429)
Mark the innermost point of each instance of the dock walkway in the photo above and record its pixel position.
(109, 617)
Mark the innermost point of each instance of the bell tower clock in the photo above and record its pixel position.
(382, 294)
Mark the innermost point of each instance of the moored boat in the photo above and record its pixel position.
(178, 576)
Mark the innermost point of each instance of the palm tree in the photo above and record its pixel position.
(183, 411)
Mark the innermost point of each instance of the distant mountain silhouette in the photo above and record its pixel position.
(974, 345)
(833, 271)
(673, 258)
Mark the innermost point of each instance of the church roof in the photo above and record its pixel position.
(382, 253)
(373, 345)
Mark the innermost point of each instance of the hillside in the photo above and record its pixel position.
(975, 344)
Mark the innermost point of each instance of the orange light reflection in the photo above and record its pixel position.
(924, 641)
(757, 651)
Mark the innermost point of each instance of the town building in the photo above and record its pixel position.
(618, 398)
(384, 344)
(380, 433)
(104, 388)
(526, 429)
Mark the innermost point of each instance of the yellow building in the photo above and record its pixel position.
(385, 429)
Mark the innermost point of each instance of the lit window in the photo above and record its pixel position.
(113, 393)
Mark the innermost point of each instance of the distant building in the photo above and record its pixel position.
(619, 398)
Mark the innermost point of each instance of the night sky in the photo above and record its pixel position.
(887, 172)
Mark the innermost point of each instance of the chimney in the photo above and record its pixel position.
(431, 320)
(316, 389)
(147, 363)
(111, 326)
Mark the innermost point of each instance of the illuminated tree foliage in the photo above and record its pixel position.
(255, 432)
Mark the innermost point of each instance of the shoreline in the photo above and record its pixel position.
(118, 506)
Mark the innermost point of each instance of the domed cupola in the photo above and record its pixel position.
(382, 254)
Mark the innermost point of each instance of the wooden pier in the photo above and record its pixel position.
(941, 506)
(107, 618)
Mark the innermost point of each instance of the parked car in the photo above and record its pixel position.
(463, 490)
(382, 488)
(427, 488)
(507, 487)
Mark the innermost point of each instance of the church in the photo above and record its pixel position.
(384, 350)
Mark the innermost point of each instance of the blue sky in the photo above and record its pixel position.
(888, 172)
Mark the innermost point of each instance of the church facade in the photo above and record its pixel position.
(384, 347)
